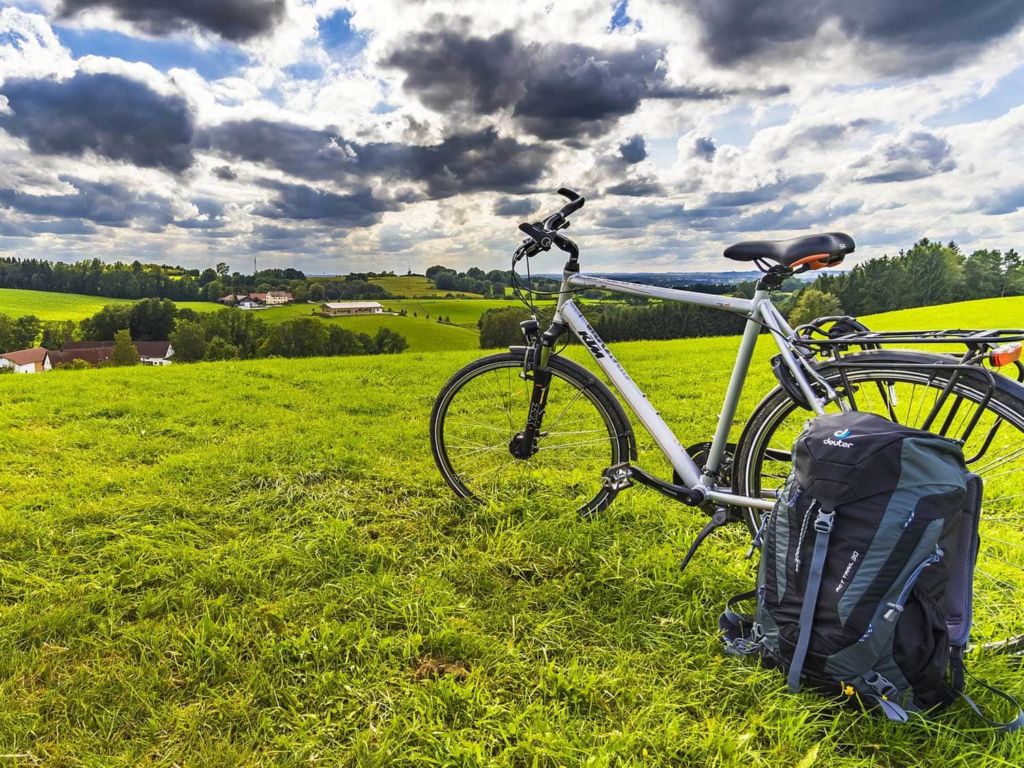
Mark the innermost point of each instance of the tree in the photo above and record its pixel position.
(107, 322)
(125, 352)
(189, 341)
(57, 333)
(500, 327)
(152, 319)
(316, 292)
(220, 349)
(814, 303)
(18, 334)
(389, 342)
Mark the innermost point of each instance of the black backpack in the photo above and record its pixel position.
(867, 562)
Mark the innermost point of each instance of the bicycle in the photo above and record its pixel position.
(494, 437)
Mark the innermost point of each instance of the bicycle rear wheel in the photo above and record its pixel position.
(989, 421)
(482, 409)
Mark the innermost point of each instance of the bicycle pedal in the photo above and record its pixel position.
(617, 477)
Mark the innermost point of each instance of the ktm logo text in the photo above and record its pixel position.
(592, 345)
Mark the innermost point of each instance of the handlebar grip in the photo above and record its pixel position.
(576, 201)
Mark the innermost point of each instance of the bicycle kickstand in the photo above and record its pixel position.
(720, 518)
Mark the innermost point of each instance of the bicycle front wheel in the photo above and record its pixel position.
(926, 394)
(482, 409)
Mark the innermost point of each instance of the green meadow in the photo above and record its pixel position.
(413, 286)
(256, 563)
(47, 305)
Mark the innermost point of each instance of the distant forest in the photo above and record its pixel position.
(145, 281)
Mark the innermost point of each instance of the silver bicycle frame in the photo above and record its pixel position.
(759, 311)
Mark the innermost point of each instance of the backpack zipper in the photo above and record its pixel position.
(896, 608)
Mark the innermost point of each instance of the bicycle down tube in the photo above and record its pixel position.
(756, 310)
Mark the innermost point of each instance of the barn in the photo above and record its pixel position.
(344, 308)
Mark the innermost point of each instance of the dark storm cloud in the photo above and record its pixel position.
(767, 192)
(109, 205)
(914, 156)
(480, 161)
(225, 173)
(634, 150)
(636, 188)
(449, 69)
(555, 91)
(932, 35)
(705, 147)
(235, 20)
(111, 115)
(513, 206)
(303, 203)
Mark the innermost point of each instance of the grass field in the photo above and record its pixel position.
(983, 313)
(256, 563)
(47, 305)
(412, 285)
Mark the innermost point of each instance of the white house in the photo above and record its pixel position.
(343, 308)
(34, 360)
(272, 298)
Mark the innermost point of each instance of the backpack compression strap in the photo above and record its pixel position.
(823, 529)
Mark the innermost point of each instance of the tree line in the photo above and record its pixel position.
(620, 322)
(929, 273)
(222, 335)
(136, 280)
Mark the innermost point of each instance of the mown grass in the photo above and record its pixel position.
(983, 313)
(255, 563)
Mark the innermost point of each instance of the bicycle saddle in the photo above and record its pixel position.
(810, 252)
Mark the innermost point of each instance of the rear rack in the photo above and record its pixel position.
(847, 331)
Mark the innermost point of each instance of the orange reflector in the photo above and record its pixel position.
(1004, 355)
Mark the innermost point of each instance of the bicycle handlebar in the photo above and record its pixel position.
(543, 234)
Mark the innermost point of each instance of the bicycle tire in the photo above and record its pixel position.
(619, 432)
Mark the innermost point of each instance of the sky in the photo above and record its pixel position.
(352, 135)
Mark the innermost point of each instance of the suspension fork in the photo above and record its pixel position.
(535, 367)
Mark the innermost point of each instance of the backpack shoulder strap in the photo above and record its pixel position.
(1002, 727)
(823, 529)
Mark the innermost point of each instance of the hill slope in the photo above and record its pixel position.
(256, 563)
(47, 305)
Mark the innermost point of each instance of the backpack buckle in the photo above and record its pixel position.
(880, 685)
(823, 523)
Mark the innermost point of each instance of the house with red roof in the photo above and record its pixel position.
(35, 360)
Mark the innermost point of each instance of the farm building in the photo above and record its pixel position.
(343, 308)
(34, 360)
(96, 352)
(254, 300)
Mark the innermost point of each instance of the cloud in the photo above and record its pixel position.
(704, 147)
(555, 91)
(1001, 201)
(235, 20)
(225, 173)
(520, 207)
(106, 204)
(636, 188)
(914, 155)
(461, 163)
(301, 202)
(633, 150)
(931, 36)
(111, 115)
(793, 185)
